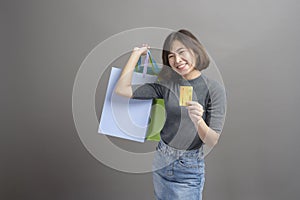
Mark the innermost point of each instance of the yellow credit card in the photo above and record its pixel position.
(186, 94)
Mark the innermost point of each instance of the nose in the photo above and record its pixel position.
(177, 58)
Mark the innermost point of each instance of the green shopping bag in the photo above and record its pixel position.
(157, 120)
(157, 116)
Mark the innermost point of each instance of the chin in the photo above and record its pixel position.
(183, 73)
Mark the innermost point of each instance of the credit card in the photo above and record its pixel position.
(186, 94)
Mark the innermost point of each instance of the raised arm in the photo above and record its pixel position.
(123, 86)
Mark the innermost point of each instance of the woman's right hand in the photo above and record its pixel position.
(141, 50)
(123, 86)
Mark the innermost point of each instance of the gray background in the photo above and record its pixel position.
(254, 43)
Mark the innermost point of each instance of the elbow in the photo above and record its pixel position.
(123, 92)
(212, 144)
(215, 142)
(214, 139)
(117, 91)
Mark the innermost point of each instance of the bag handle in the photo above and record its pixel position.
(148, 60)
(155, 67)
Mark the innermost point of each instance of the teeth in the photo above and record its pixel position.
(181, 66)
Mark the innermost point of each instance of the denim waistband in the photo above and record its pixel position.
(170, 151)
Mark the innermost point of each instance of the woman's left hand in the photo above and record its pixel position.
(195, 111)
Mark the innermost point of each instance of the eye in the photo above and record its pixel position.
(182, 52)
(170, 56)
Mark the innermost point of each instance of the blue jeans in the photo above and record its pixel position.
(178, 174)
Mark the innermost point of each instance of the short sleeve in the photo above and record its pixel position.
(216, 108)
(148, 91)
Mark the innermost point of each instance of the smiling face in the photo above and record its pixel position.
(182, 60)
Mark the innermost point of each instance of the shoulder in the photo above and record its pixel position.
(215, 88)
(213, 84)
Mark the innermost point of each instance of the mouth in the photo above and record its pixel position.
(182, 66)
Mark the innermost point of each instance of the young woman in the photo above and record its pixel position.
(179, 160)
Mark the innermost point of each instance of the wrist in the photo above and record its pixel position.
(136, 53)
(199, 122)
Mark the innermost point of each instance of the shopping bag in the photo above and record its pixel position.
(133, 119)
(153, 70)
(157, 120)
(124, 117)
(157, 116)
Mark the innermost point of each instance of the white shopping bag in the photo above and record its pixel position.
(124, 117)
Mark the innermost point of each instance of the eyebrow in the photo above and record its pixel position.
(181, 48)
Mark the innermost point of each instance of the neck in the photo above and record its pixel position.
(192, 75)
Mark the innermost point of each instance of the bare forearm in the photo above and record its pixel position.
(206, 134)
(123, 86)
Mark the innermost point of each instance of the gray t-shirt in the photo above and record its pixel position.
(179, 131)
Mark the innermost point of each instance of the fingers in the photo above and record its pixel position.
(146, 45)
(143, 48)
(196, 112)
(192, 105)
(195, 109)
(195, 115)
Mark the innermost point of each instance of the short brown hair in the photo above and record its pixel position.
(190, 42)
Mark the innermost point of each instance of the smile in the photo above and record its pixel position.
(182, 66)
